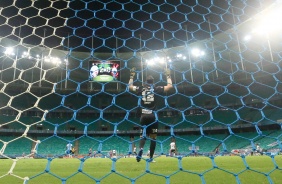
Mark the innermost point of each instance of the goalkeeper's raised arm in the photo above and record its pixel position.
(130, 83)
(166, 88)
(168, 80)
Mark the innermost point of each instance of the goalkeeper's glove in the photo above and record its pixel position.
(132, 73)
(167, 73)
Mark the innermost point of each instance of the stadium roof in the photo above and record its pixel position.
(84, 25)
(23, 26)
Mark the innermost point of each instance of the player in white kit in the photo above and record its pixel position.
(172, 148)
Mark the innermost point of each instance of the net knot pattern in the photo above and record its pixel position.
(224, 60)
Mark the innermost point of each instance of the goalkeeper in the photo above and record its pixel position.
(148, 107)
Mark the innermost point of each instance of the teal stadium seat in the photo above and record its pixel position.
(110, 143)
(17, 147)
(53, 145)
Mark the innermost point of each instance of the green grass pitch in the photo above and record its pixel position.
(165, 170)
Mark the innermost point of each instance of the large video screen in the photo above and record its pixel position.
(104, 71)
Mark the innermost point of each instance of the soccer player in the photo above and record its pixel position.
(94, 153)
(73, 151)
(148, 153)
(90, 152)
(172, 149)
(69, 148)
(217, 151)
(114, 153)
(259, 149)
(134, 150)
(148, 107)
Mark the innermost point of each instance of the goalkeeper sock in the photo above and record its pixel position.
(152, 148)
(142, 143)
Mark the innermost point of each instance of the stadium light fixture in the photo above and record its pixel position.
(53, 60)
(180, 56)
(149, 62)
(56, 60)
(247, 37)
(165, 60)
(155, 60)
(47, 59)
(160, 60)
(26, 55)
(66, 61)
(197, 52)
(9, 51)
(168, 59)
(269, 23)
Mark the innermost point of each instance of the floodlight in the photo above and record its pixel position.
(156, 59)
(168, 59)
(178, 55)
(197, 52)
(247, 37)
(25, 55)
(9, 51)
(56, 60)
(269, 23)
(150, 62)
(47, 59)
(66, 61)
(161, 60)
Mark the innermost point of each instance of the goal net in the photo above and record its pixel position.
(65, 90)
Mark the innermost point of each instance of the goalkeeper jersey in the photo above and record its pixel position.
(148, 101)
